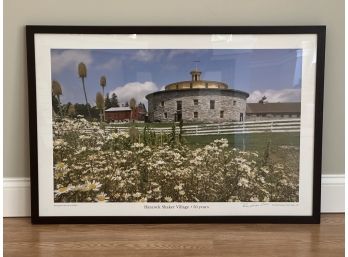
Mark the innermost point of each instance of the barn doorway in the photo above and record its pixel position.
(241, 117)
(178, 116)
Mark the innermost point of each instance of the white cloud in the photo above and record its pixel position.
(176, 52)
(111, 64)
(144, 55)
(70, 57)
(137, 90)
(275, 96)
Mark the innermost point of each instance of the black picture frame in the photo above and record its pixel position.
(32, 30)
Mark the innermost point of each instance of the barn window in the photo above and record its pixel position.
(221, 114)
(178, 105)
(195, 102)
(165, 115)
(212, 104)
(195, 114)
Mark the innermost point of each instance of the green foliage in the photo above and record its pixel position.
(55, 104)
(152, 138)
(108, 103)
(181, 125)
(146, 135)
(172, 136)
(95, 113)
(266, 154)
(86, 111)
(134, 134)
(71, 111)
(81, 109)
(251, 142)
(175, 138)
(114, 100)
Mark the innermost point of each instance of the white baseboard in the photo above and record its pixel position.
(17, 195)
(332, 193)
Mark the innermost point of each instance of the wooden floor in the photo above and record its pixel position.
(22, 239)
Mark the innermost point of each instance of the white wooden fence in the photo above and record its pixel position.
(246, 127)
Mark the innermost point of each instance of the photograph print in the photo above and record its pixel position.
(176, 125)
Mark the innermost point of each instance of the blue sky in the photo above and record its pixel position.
(275, 73)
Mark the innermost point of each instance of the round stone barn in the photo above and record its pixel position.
(197, 101)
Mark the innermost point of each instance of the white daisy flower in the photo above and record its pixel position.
(102, 198)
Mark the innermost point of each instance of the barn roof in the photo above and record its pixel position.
(273, 108)
(118, 109)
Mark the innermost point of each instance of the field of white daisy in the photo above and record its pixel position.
(92, 165)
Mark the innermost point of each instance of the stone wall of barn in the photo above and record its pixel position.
(229, 105)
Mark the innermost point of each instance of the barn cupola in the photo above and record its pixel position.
(196, 75)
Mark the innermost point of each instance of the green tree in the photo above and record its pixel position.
(95, 113)
(82, 109)
(71, 110)
(103, 85)
(263, 100)
(107, 102)
(82, 70)
(114, 100)
(65, 108)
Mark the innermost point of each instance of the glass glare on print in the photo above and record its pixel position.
(176, 125)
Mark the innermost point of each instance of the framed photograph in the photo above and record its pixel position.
(175, 124)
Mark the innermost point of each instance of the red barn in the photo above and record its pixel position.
(125, 113)
(118, 114)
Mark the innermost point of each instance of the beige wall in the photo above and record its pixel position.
(18, 13)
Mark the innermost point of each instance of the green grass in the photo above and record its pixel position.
(153, 125)
(248, 142)
(261, 143)
(253, 142)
